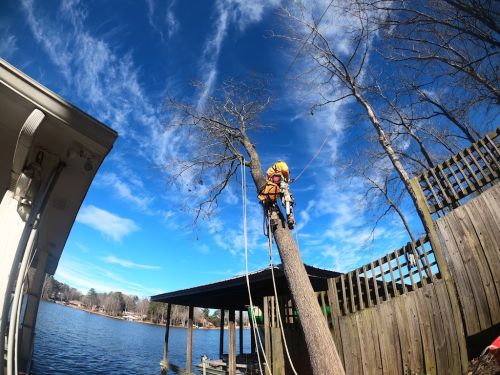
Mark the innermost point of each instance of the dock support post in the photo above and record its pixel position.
(241, 332)
(232, 344)
(189, 354)
(252, 335)
(164, 361)
(221, 339)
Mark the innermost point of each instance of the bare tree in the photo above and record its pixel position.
(344, 70)
(454, 38)
(223, 130)
(450, 51)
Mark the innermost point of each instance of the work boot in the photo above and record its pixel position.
(274, 218)
(290, 221)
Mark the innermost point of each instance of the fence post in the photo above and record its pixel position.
(443, 268)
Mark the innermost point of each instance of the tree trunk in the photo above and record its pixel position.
(389, 150)
(319, 341)
(321, 348)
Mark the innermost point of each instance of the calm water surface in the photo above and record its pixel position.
(70, 341)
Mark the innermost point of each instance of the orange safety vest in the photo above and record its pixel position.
(274, 174)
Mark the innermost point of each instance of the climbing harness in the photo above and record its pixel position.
(277, 186)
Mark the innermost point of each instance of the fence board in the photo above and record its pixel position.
(376, 335)
(351, 344)
(278, 358)
(425, 318)
(404, 335)
(460, 277)
(475, 246)
(375, 284)
(450, 331)
(465, 246)
(335, 313)
(488, 230)
(416, 356)
(363, 322)
(390, 351)
(367, 287)
(441, 349)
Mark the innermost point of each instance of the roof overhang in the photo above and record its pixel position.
(67, 135)
(232, 294)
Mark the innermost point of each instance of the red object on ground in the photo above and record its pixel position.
(494, 349)
(495, 344)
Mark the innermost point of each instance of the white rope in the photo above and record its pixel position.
(257, 337)
(315, 155)
(280, 321)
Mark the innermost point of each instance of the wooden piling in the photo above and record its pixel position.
(221, 338)
(241, 332)
(252, 335)
(232, 344)
(164, 361)
(189, 354)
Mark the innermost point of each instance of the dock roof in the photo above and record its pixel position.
(232, 294)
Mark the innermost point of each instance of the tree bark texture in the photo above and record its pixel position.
(321, 348)
(319, 341)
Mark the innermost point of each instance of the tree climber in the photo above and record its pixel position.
(278, 178)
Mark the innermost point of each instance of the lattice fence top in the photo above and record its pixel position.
(464, 173)
(401, 271)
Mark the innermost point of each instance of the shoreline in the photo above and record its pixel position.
(131, 321)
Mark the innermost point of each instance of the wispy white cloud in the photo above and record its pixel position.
(239, 12)
(83, 275)
(173, 24)
(109, 224)
(128, 263)
(107, 84)
(8, 44)
(131, 191)
(160, 23)
(82, 247)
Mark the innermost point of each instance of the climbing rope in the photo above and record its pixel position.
(314, 156)
(280, 321)
(257, 337)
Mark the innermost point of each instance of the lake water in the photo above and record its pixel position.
(71, 341)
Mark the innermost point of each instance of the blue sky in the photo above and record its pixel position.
(118, 61)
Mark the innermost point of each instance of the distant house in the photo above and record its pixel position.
(127, 315)
(75, 303)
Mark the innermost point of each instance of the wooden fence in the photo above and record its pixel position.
(397, 273)
(398, 314)
(472, 169)
(470, 235)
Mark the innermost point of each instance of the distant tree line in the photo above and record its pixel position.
(118, 303)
